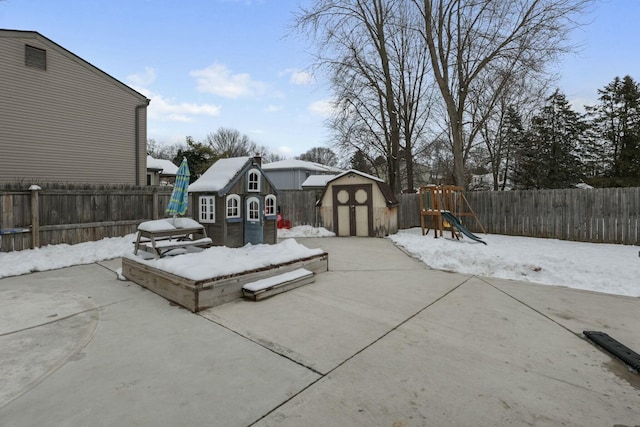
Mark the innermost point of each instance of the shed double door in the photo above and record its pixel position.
(353, 210)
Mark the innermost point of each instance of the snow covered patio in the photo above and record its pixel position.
(379, 339)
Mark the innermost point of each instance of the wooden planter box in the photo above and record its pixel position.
(197, 295)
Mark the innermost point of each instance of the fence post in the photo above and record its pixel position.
(155, 203)
(35, 216)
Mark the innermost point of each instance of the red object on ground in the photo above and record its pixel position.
(283, 223)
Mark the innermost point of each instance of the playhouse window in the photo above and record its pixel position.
(207, 208)
(233, 206)
(253, 180)
(270, 205)
(253, 208)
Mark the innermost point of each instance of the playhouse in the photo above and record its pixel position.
(236, 203)
(354, 203)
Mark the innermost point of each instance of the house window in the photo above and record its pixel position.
(207, 208)
(253, 180)
(233, 206)
(35, 57)
(253, 209)
(270, 205)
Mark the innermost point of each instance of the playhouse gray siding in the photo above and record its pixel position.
(231, 233)
(71, 122)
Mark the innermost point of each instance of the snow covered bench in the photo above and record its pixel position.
(263, 288)
(163, 235)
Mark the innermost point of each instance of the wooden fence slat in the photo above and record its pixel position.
(72, 215)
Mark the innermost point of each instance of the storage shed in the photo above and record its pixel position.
(236, 203)
(357, 204)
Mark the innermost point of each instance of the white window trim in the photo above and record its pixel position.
(258, 175)
(266, 205)
(238, 206)
(207, 209)
(250, 201)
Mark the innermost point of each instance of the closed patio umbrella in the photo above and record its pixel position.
(179, 201)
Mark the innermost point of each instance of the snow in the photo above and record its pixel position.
(219, 174)
(165, 166)
(222, 261)
(299, 164)
(605, 268)
(304, 231)
(366, 175)
(156, 225)
(270, 282)
(168, 224)
(317, 180)
(612, 269)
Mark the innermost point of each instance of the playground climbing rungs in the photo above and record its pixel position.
(616, 348)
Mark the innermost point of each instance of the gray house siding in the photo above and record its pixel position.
(71, 122)
(290, 179)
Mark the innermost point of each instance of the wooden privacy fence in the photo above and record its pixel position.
(602, 215)
(75, 214)
(299, 207)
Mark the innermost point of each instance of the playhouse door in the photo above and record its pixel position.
(353, 210)
(253, 222)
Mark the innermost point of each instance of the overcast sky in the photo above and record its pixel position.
(207, 64)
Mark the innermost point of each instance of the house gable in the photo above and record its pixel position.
(64, 119)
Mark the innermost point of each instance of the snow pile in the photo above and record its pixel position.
(612, 269)
(597, 267)
(219, 174)
(58, 256)
(304, 231)
(222, 261)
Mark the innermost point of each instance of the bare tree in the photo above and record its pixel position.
(322, 155)
(162, 151)
(227, 142)
(376, 79)
(473, 42)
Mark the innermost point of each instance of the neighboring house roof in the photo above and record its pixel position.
(317, 180)
(299, 164)
(72, 56)
(223, 175)
(583, 186)
(166, 167)
(385, 189)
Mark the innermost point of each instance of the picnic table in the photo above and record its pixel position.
(163, 235)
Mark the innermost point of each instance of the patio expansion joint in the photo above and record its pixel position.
(59, 319)
(483, 280)
(366, 347)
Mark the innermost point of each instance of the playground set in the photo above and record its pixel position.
(442, 207)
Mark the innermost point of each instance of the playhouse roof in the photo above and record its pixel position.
(218, 177)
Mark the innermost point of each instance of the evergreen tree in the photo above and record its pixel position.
(616, 125)
(511, 134)
(199, 157)
(359, 162)
(550, 154)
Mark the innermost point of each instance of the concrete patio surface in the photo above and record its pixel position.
(378, 340)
